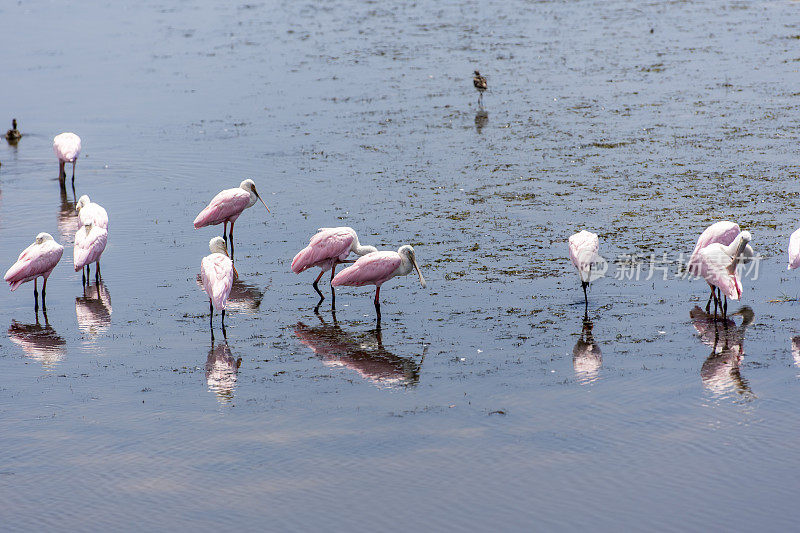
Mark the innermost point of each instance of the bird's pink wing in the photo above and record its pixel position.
(583, 248)
(93, 214)
(216, 272)
(722, 232)
(371, 269)
(714, 267)
(794, 250)
(35, 260)
(67, 146)
(327, 244)
(88, 248)
(228, 203)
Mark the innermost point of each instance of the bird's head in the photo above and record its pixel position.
(407, 251)
(477, 73)
(217, 246)
(83, 201)
(42, 237)
(250, 186)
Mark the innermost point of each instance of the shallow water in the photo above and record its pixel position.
(482, 403)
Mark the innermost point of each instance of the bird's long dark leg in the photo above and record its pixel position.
(44, 290)
(585, 284)
(316, 287)
(223, 320)
(35, 295)
(333, 291)
(83, 277)
(725, 308)
(97, 273)
(708, 303)
(231, 236)
(73, 175)
(716, 301)
(378, 305)
(62, 174)
(225, 233)
(211, 317)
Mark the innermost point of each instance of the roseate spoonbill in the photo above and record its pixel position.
(13, 135)
(67, 147)
(227, 206)
(723, 232)
(479, 82)
(377, 268)
(90, 241)
(327, 248)
(794, 250)
(91, 213)
(216, 271)
(583, 247)
(717, 265)
(586, 355)
(38, 259)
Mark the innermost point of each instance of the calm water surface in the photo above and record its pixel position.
(483, 403)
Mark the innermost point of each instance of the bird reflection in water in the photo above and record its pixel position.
(244, 297)
(67, 220)
(721, 370)
(481, 119)
(586, 356)
(366, 356)
(221, 371)
(93, 309)
(40, 343)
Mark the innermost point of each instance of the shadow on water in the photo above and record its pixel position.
(721, 370)
(244, 297)
(93, 309)
(481, 120)
(366, 355)
(587, 358)
(67, 220)
(221, 371)
(40, 343)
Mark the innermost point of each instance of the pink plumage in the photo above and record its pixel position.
(224, 207)
(38, 259)
(717, 265)
(723, 232)
(583, 248)
(794, 250)
(67, 147)
(89, 246)
(325, 248)
(216, 273)
(91, 213)
(372, 269)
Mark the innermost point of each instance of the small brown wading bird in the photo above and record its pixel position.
(13, 135)
(480, 84)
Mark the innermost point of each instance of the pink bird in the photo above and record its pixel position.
(717, 264)
(227, 206)
(794, 250)
(91, 213)
(67, 147)
(723, 232)
(216, 273)
(377, 268)
(38, 259)
(583, 248)
(90, 241)
(327, 248)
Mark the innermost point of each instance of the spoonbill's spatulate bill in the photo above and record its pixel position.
(38, 259)
(794, 250)
(216, 274)
(377, 268)
(227, 206)
(583, 248)
(67, 147)
(327, 248)
(717, 265)
(90, 241)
